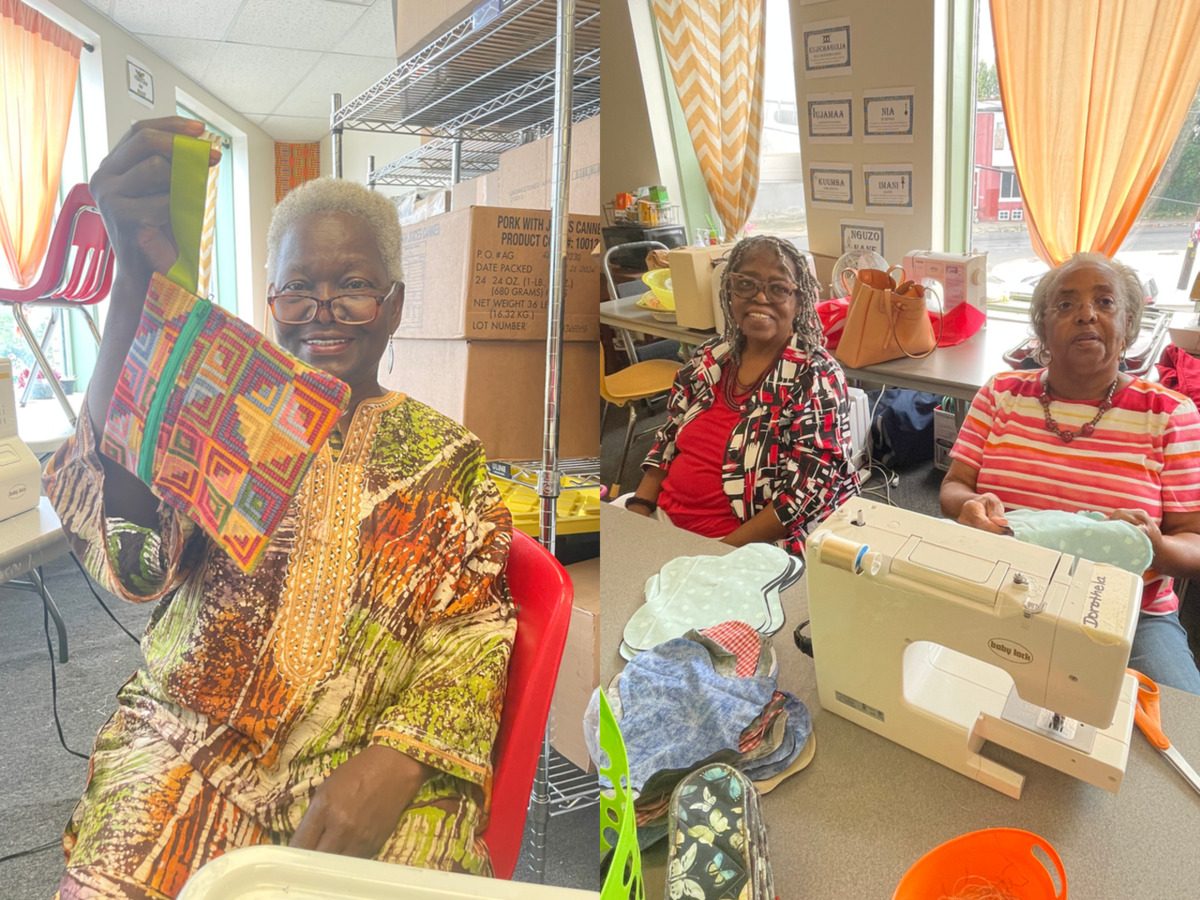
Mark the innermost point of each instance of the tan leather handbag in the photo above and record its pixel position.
(886, 320)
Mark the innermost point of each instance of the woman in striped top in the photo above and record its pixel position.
(1082, 435)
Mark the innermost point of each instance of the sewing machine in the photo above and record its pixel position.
(20, 474)
(940, 637)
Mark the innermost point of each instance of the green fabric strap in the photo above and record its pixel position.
(166, 383)
(189, 188)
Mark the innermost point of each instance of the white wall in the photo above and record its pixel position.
(892, 45)
(627, 149)
(358, 145)
(254, 153)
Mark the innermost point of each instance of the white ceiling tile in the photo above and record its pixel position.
(372, 35)
(189, 55)
(336, 72)
(254, 79)
(296, 128)
(302, 24)
(105, 6)
(209, 19)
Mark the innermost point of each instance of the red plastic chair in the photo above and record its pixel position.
(77, 272)
(543, 594)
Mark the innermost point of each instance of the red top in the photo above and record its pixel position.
(693, 494)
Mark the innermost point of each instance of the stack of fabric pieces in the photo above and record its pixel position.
(707, 697)
(695, 592)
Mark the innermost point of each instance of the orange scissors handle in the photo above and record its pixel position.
(1148, 715)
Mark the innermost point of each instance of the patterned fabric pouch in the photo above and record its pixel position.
(218, 421)
(717, 846)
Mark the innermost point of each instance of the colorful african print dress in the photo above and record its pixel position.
(379, 615)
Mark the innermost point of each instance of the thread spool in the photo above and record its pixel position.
(843, 553)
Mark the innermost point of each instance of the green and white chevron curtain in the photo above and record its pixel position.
(715, 51)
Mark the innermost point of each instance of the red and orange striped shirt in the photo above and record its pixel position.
(1144, 454)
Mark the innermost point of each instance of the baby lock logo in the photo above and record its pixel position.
(1095, 599)
(1010, 650)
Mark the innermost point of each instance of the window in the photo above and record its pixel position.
(1010, 188)
(61, 346)
(1156, 247)
(224, 278)
(779, 206)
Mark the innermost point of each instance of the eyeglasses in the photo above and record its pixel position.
(354, 308)
(748, 288)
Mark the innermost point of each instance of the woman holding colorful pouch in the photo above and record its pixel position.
(342, 695)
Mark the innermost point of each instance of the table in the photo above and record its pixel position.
(27, 542)
(958, 371)
(852, 823)
(624, 314)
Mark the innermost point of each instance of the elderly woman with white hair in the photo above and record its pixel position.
(345, 695)
(1081, 435)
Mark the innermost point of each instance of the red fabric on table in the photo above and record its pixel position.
(954, 327)
(1180, 371)
(741, 640)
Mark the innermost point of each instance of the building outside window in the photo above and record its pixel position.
(1156, 246)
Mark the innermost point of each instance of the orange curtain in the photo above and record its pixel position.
(1094, 95)
(295, 164)
(39, 62)
(715, 52)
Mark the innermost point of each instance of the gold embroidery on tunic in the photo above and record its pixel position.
(318, 582)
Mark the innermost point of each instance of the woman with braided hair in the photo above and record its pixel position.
(756, 446)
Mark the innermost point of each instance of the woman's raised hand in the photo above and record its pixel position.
(132, 187)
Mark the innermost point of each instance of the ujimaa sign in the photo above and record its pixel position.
(830, 118)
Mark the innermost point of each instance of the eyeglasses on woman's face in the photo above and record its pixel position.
(747, 288)
(355, 307)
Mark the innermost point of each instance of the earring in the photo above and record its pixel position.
(391, 355)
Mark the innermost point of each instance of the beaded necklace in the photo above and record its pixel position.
(1088, 427)
(737, 392)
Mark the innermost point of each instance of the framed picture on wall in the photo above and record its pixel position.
(139, 82)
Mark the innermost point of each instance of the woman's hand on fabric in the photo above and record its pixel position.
(132, 187)
(357, 808)
(1141, 520)
(985, 512)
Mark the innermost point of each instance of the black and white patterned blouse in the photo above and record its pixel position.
(791, 445)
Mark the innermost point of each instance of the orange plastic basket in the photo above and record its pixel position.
(992, 863)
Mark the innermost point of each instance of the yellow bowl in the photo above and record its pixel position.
(659, 282)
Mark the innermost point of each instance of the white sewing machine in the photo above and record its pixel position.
(20, 474)
(940, 637)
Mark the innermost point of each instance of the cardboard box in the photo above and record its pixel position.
(497, 390)
(692, 283)
(524, 173)
(524, 176)
(579, 673)
(472, 192)
(483, 273)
